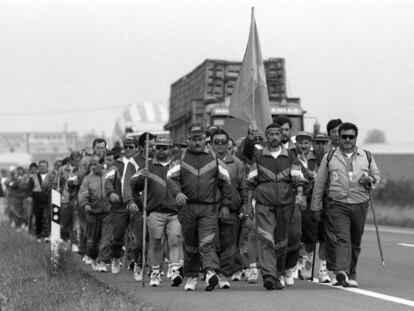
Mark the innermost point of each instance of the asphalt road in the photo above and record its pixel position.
(394, 281)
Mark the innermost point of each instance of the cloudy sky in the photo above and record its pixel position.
(80, 63)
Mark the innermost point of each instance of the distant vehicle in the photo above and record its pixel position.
(203, 96)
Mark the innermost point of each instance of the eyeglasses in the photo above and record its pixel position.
(220, 141)
(130, 147)
(350, 137)
(162, 147)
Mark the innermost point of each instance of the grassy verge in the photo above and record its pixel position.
(26, 284)
(392, 215)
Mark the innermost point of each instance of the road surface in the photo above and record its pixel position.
(380, 288)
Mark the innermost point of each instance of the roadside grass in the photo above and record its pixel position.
(392, 215)
(27, 284)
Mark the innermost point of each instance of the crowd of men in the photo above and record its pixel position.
(213, 208)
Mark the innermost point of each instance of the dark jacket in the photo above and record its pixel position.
(273, 180)
(199, 176)
(159, 198)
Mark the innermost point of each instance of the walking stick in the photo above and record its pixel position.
(144, 212)
(376, 228)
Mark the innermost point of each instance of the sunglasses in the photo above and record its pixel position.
(220, 141)
(130, 147)
(350, 137)
(162, 147)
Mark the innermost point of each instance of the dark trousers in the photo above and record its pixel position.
(99, 233)
(121, 218)
(238, 259)
(272, 232)
(295, 234)
(40, 209)
(199, 225)
(330, 238)
(226, 244)
(349, 222)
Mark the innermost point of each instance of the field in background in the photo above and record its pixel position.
(25, 282)
(392, 215)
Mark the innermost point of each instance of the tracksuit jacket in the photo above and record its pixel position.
(160, 199)
(199, 176)
(273, 179)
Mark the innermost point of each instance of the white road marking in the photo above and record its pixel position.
(406, 244)
(389, 229)
(370, 294)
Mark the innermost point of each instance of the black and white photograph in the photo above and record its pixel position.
(206, 155)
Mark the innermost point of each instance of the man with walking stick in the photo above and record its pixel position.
(349, 173)
(161, 209)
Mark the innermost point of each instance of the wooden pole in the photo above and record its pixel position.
(144, 212)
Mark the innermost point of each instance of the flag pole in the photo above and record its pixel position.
(251, 68)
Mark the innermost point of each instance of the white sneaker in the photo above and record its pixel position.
(253, 276)
(86, 260)
(223, 282)
(155, 279)
(46, 239)
(324, 276)
(102, 267)
(247, 273)
(138, 273)
(289, 279)
(335, 282)
(191, 284)
(237, 276)
(95, 265)
(282, 281)
(352, 283)
(116, 266)
(211, 280)
(75, 248)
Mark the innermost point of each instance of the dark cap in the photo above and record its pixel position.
(321, 137)
(130, 140)
(196, 130)
(163, 140)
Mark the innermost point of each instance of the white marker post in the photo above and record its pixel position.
(55, 230)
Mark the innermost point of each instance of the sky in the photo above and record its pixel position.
(78, 64)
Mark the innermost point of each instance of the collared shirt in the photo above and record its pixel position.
(343, 175)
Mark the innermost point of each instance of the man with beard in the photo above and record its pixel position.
(274, 175)
(201, 185)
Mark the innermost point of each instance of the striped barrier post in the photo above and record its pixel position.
(55, 229)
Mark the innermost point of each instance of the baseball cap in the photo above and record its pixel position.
(196, 130)
(163, 140)
(130, 141)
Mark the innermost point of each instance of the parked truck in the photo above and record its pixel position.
(203, 96)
